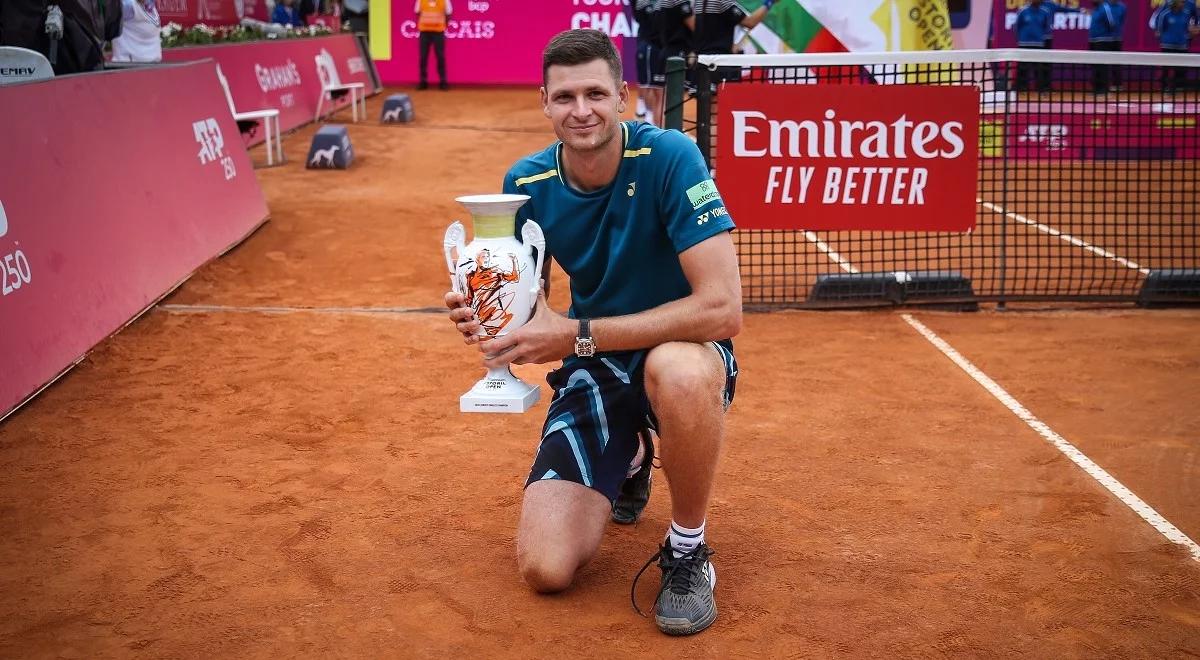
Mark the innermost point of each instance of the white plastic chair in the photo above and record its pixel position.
(19, 65)
(331, 82)
(268, 116)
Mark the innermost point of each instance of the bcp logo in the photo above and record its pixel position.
(212, 145)
(3, 221)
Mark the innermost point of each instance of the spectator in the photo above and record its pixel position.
(307, 10)
(715, 23)
(77, 44)
(286, 14)
(1106, 34)
(676, 22)
(139, 40)
(650, 75)
(1189, 5)
(22, 24)
(356, 12)
(1035, 25)
(1173, 25)
(431, 22)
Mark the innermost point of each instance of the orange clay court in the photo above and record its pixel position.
(271, 463)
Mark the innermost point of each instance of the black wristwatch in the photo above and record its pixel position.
(585, 346)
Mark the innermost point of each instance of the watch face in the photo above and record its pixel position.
(585, 347)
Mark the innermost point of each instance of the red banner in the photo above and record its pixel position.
(281, 74)
(878, 157)
(211, 12)
(104, 218)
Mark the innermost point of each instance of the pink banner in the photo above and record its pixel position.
(110, 216)
(211, 12)
(1102, 131)
(281, 74)
(1071, 29)
(500, 41)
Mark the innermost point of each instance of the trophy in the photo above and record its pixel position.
(499, 277)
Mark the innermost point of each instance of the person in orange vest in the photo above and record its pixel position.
(431, 22)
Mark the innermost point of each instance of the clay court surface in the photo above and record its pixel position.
(271, 463)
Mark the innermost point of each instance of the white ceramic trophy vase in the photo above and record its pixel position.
(499, 277)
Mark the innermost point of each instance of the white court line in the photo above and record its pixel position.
(830, 252)
(1098, 473)
(1064, 236)
(206, 309)
(1145, 511)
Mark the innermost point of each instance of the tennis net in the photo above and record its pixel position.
(1085, 184)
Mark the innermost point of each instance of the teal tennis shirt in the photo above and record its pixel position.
(619, 245)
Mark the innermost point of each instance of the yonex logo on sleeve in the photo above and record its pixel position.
(703, 193)
(718, 212)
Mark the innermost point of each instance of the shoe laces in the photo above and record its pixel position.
(678, 572)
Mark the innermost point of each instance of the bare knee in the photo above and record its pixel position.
(546, 574)
(684, 371)
(561, 525)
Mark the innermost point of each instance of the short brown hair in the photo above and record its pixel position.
(580, 47)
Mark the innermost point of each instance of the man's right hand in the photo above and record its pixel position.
(463, 317)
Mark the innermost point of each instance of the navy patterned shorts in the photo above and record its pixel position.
(599, 405)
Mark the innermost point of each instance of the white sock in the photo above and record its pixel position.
(641, 106)
(683, 539)
(637, 460)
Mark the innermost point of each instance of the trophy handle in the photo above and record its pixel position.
(532, 236)
(455, 240)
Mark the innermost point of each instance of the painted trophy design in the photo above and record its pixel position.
(499, 277)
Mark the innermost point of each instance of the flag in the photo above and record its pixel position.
(822, 26)
(815, 26)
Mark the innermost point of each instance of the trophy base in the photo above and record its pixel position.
(500, 395)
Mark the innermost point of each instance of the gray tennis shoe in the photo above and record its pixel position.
(685, 603)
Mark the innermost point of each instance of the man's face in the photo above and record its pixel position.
(584, 104)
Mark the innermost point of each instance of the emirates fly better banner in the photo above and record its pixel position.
(849, 157)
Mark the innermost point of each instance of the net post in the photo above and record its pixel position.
(674, 101)
(704, 96)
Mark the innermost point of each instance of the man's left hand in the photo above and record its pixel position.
(546, 337)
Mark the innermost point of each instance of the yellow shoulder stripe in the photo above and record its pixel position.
(634, 153)
(536, 177)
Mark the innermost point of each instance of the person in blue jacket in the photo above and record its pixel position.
(1188, 5)
(1174, 25)
(1035, 26)
(1106, 34)
(286, 14)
